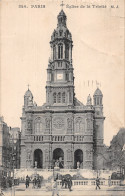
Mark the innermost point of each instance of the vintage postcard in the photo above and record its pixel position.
(62, 80)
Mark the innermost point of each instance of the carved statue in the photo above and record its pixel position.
(78, 165)
(35, 163)
(69, 123)
(29, 126)
(89, 100)
(47, 123)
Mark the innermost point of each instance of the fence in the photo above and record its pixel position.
(92, 183)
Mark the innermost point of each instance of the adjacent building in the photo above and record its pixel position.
(15, 146)
(63, 130)
(5, 149)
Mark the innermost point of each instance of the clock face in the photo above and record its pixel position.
(59, 76)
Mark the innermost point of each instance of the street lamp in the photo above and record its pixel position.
(13, 188)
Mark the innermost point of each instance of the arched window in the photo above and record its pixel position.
(38, 126)
(100, 101)
(59, 98)
(94, 101)
(70, 97)
(54, 97)
(63, 97)
(67, 52)
(67, 76)
(60, 51)
(97, 100)
(52, 77)
(79, 125)
(54, 52)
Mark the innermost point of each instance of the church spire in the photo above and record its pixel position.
(60, 69)
(62, 19)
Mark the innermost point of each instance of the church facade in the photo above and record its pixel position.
(63, 129)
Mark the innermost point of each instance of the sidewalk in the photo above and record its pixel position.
(82, 191)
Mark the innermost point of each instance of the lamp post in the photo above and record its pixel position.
(13, 188)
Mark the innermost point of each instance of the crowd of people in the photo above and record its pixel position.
(37, 180)
(7, 181)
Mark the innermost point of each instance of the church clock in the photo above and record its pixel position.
(60, 76)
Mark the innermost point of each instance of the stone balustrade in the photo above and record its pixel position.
(56, 138)
(92, 182)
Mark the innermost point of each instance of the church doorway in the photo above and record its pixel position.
(38, 158)
(78, 159)
(58, 158)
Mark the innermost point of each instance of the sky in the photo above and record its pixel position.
(98, 55)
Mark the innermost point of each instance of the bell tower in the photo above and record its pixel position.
(60, 79)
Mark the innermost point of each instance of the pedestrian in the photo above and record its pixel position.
(69, 182)
(63, 181)
(27, 181)
(55, 187)
(34, 183)
(97, 183)
(1, 193)
(109, 181)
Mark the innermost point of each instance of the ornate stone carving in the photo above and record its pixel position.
(88, 154)
(28, 154)
(58, 123)
(29, 124)
(47, 123)
(89, 124)
(69, 122)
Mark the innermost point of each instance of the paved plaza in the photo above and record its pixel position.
(88, 190)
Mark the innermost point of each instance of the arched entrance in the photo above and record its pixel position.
(38, 158)
(58, 157)
(78, 158)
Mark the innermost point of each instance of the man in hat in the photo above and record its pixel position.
(97, 183)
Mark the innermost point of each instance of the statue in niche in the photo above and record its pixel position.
(89, 124)
(35, 164)
(47, 123)
(78, 165)
(69, 123)
(29, 126)
(29, 155)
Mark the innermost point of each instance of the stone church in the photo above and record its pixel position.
(62, 130)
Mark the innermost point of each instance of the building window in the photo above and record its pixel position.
(60, 33)
(70, 97)
(97, 100)
(54, 52)
(63, 97)
(52, 77)
(59, 98)
(60, 51)
(38, 126)
(67, 52)
(54, 97)
(67, 76)
(79, 125)
(94, 101)
(100, 101)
